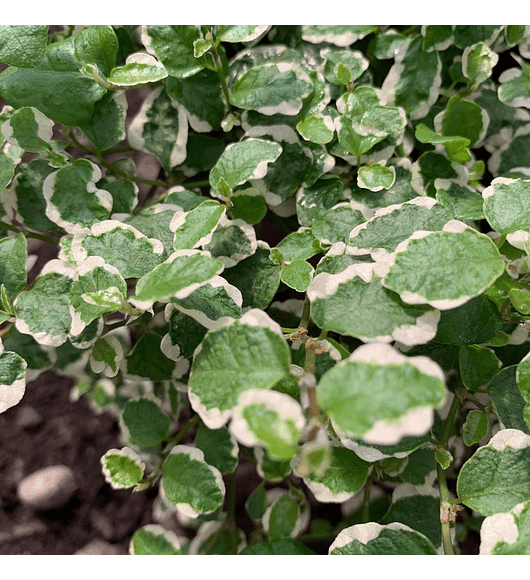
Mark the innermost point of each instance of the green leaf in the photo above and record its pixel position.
(284, 547)
(240, 32)
(182, 273)
(523, 383)
(345, 476)
(219, 447)
(437, 37)
(160, 128)
(106, 355)
(464, 202)
(392, 225)
(12, 378)
(248, 207)
(43, 310)
(478, 62)
(462, 118)
(336, 224)
(119, 245)
(190, 483)
(236, 355)
(256, 503)
(154, 540)
(349, 63)
(23, 45)
(257, 277)
(270, 419)
(200, 95)
(496, 478)
(184, 334)
(376, 177)
(72, 197)
(514, 85)
(281, 520)
(478, 365)
(317, 128)
(340, 35)
(507, 399)
(506, 205)
(106, 127)
(414, 80)
(475, 428)
(146, 423)
(297, 275)
(139, 69)
(458, 263)
(122, 468)
(467, 35)
(147, 361)
(13, 256)
(374, 539)
(173, 46)
(195, 227)
(282, 86)
(455, 146)
(29, 129)
(353, 302)
(243, 161)
(506, 534)
(7, 171)
(380, 395)
(297, 245)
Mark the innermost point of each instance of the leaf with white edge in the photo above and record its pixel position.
(122, 468)
(523, 383)
(216, 299)
(339, 35)
(195, 227)
(73, 199)
(381, 395)
(23, 45)
(154, 540)
(353, 302)
(283, 518)
(27, 196)
(248, 207)
(7, 171)
(173, 46)
(106, 356)
(520, 298)
(297, 275)
(236, 355)
(37, 358)
(374, 539)
(29, 129)
(353, 142)
(462, 118)
(514, 85)
(391, 225)
(372, 453)
(243, 161)
(353, 61)
(336, 224)
(478, 365)
(190, 483)
(231, 242)
(184, 334)
(241, 32)
(455, 146)
(257, 277)
(345, 476)
(182, 273)
(120, 245)
(298, 245)
(270, 419)
(462, 201)
(99, 289)
(13, 256)
(478, 62)
(475, 428)
(507, 205)
(200, 95)
(269, 469)
(456, 264)
(317, 128)
(414, 80)
(507, 400)
(420, 468)
(418, 509)
(219, 446)
(146, 423)
(314, 200)
(139, 69)
(469, 34)
(12, 378)
(43, 310)
(437, 37)
(496, 477)
(106, 127)
(507, 533)
(160, 128)
(154, 223)
(147, 361)
(282, 86)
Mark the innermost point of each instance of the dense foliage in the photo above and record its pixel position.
(328, 279)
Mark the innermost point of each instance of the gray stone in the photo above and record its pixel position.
(48, 488)
(98, 547)
(28, 417)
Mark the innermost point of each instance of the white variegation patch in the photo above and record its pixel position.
(124, 452)
(497, 528)
(363, 533)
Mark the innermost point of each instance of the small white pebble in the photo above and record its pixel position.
(48, 488)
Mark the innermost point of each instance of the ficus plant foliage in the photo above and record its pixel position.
(328, 280)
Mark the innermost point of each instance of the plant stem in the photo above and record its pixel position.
(180, 435)
(366, 501)
(304, 321)
(221, 75)
(128, 177)
(18, 230)
(448, 425)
